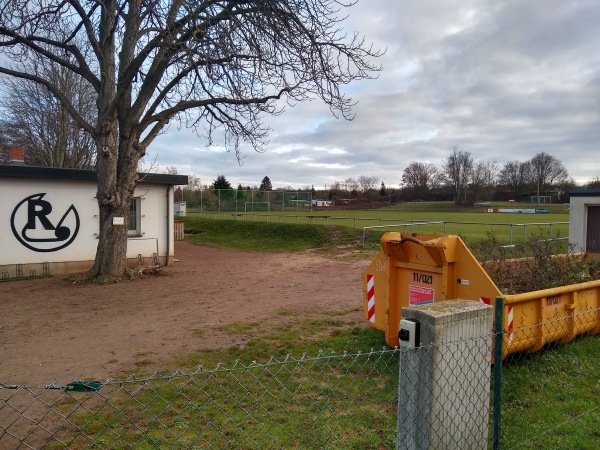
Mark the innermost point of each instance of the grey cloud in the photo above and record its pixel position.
(504, 80)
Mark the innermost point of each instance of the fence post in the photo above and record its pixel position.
(437, 408)
(498, 338)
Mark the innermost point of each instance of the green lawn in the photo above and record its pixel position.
(469, 222)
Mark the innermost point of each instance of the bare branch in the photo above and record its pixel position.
(57, 92)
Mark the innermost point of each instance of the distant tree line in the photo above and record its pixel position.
(460, 178)
(463, 179)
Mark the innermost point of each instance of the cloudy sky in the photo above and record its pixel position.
(502, 79)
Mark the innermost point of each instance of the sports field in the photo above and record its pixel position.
(472, 223)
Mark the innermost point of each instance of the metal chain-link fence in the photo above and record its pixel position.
(551, 392)
(327, 401)
(550, 399)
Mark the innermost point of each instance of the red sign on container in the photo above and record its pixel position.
(419, 295)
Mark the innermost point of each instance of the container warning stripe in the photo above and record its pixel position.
(510, 324)
(371, 298)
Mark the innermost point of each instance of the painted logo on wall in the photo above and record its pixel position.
(34, 225)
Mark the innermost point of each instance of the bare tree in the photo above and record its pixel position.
(367, 183)
(194, 182)
(547, 172)
(419, 179)
(515, 176)
(594, 183)
(33, 118)
(352, 186)
(483, 179)
(209, 64)
(458, 169)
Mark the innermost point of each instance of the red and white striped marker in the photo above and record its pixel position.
(510, 324)
(485, 300)
(371, 298)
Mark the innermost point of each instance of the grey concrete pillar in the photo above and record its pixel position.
(444, 384)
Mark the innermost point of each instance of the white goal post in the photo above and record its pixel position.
(542, 199)
(256, 203)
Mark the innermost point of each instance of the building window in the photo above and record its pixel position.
(134, 223)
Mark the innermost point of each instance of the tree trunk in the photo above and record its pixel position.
(111, 255)
(117, 177)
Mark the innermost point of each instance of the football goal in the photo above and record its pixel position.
(542, 199)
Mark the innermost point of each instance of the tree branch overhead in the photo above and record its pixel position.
(210, 64)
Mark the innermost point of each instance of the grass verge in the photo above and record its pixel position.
(270, 237)
(551, 399)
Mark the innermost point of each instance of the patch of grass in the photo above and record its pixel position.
(144, 363)
(287, 312)
(268, 237)
(343, 312)
(242, 327)
(200, 332)
(267, 339)
(550, 399)
(301, 404)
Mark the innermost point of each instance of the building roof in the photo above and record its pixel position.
(584, 193)
(55, 173)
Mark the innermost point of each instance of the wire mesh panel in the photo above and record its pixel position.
(335, 401)
(551, 397)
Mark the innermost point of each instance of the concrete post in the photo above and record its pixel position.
(444, 385)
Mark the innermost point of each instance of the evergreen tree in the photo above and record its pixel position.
(265, 185)
(221, 183)
(383, 190)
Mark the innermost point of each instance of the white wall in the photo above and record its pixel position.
(60, 195)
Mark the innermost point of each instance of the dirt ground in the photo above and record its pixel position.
(55, 331)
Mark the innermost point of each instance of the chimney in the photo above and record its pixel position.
(16, 156)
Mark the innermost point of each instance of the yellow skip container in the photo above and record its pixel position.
(416, 269)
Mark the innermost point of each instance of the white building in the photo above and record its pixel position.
(49, 220)
(584, 220)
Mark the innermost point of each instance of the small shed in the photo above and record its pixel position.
(584, 220)
(49, 220)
